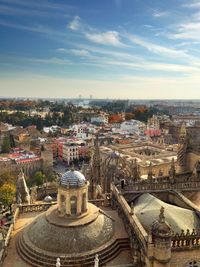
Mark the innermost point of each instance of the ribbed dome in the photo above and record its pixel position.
(73, 179)
(161, 228)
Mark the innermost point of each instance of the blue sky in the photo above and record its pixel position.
(105, 48)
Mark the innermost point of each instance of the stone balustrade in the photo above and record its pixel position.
(186, 240)
(163, 185)
(35, 207)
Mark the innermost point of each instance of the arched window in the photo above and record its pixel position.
(63, 203)
(193, 264)
(83, 207)
(73, 204)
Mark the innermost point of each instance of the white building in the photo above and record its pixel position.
(101, 119)
(132, 126)
(70, 152)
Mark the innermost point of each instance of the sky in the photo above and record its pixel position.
(116, 49)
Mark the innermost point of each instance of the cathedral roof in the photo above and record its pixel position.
(51, 237)
(147, 209)
(73, 179)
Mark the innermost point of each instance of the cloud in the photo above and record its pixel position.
(8, 10)
(37, 28)
(154, 66)
(190, 30)
(105, 38)
(75, 25)
(39, 4)
(52, 60)
(157, 49)
(109, 52)
(79, 52)
(192, 4)
(75, 52)
(159, 14)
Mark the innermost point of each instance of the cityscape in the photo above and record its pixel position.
(99, 133)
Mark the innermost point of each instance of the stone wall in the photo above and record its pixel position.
(192, 158)
(182, 258)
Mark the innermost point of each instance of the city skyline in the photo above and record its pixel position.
(108, 49)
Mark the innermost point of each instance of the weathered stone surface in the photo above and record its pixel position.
(67, 240)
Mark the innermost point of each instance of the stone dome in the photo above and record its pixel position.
(161, 229)
(57, 235)
(73, 179)
(74, 241)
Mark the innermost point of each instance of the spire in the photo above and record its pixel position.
(22, 189)
(135, 170)
(150, 173)
(182, 148)
(161, 215)
(95, 167)
(183, 131)
(172, 170)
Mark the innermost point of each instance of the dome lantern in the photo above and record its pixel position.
(73, 194)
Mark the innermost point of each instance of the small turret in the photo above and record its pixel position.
(161, 238)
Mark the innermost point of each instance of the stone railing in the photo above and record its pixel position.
(162, 185)
(3, 251)
(130, 219)
(35, 207)
(186, 240)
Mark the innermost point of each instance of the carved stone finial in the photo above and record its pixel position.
(161, 215)
(187, 232)
(193, 232)
(58, 262)
(182, 233)
(132, 208)
(96, 261)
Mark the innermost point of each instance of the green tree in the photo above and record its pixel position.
(7, 193)
(51, 177)
(39, 178)
(7, 177)
(5, 148)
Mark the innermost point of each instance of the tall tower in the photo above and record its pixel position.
(95, 168)
(161, 240)
(47, 159)
(182, 149)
